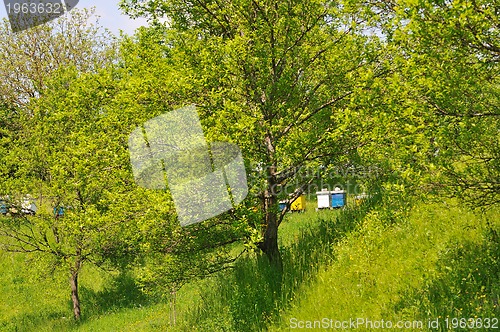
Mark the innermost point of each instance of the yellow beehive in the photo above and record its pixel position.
(299, 204)
(360, 198)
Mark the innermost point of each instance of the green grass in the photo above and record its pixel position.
(27, 298)
(374, 261)
(441, 261)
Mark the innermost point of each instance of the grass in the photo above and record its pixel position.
(441, 261)
(373, 262)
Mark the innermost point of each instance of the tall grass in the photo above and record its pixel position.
(379, 260)
(441, 261)
(252, 296)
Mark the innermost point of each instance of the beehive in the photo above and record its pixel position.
(338, 198)
(299, 204)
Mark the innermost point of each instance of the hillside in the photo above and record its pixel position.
(439, 261)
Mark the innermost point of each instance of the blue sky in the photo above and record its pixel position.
(110, 15)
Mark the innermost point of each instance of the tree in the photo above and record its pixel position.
(450, 54)
(28, 58)
(70, 153)
(276, 78)
(71, 158)
(31, 149)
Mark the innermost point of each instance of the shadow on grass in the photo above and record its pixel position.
(35, 321)
(248, 297)
(122, 293)
(467, 285)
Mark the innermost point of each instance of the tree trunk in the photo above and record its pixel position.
(173, 300)
(74, 289)
(269, 245)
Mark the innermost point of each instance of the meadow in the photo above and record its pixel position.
(430, 261)
(400, 97)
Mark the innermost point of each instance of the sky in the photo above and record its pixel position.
(110, 15)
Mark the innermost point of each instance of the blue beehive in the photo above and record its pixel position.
(59, 211)
(3, 207)
(338, 198)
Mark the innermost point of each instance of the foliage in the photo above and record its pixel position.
(171, 256)
(44, 156)
(28, 58)
(276, 79)
(72, 155)
(449, 56)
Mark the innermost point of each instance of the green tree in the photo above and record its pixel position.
(70, 153)
(449, 55)
(28, 58)
(71, 158)
(277, 79)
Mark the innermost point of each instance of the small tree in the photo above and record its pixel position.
(70, 153)
(35, 143)
(71, 157)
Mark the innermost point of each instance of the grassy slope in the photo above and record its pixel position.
(438, 262)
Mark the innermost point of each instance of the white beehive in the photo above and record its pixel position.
(323, 199)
